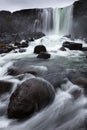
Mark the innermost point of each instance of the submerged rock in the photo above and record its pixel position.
(62, 49)
(24, 67)
(84, 49)
(5, 86)
(40, 48)
(82, 81)
(75, 92)
(72, 45)
(29, 97)
(44, 55)
(21, 50)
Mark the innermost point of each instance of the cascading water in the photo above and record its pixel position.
(69, 108)
(57, 20)
(47, 20)
(66, 20)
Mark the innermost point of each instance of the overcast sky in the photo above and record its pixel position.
(13, 5)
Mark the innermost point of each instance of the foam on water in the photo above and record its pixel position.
(65, 113)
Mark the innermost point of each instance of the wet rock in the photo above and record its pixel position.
(82, 81)
(24, 44)
(75, 92)
(31, 39)
(68, 36)
(5, 48)
(72, 45)
(21, 45)
(21, 50)
(13, 71)
(17, 44)
(39, 48)
(62, 49)
(30, 97)
(25, 68)
(44, 55)
(5, 86)
(37, 35)
(73, 74)
(24, 76)
(84, 49)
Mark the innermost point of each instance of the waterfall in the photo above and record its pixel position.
(66, 20)
(57, 20)
(47, 18)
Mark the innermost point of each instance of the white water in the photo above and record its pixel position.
(66, 20)
(57, 20)
(65, 113)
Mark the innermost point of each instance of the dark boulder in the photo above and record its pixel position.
(44, 55)
(39, 48)
(24, 44)
(29, 97)
(17, 44)
(5, 86)
(72, 45)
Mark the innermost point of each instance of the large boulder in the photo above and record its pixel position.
(39, 48)
(72, 45)
(29, 97)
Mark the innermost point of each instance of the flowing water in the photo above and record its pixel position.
(56, 21)
(66, 112)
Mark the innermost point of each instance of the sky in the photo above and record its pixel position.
(13, 5)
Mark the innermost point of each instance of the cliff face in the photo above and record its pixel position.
(79, 29)
(21, 24)
(19, 21)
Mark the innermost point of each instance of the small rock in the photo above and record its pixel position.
(31, 39)
(62, 49)
(21, 50)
